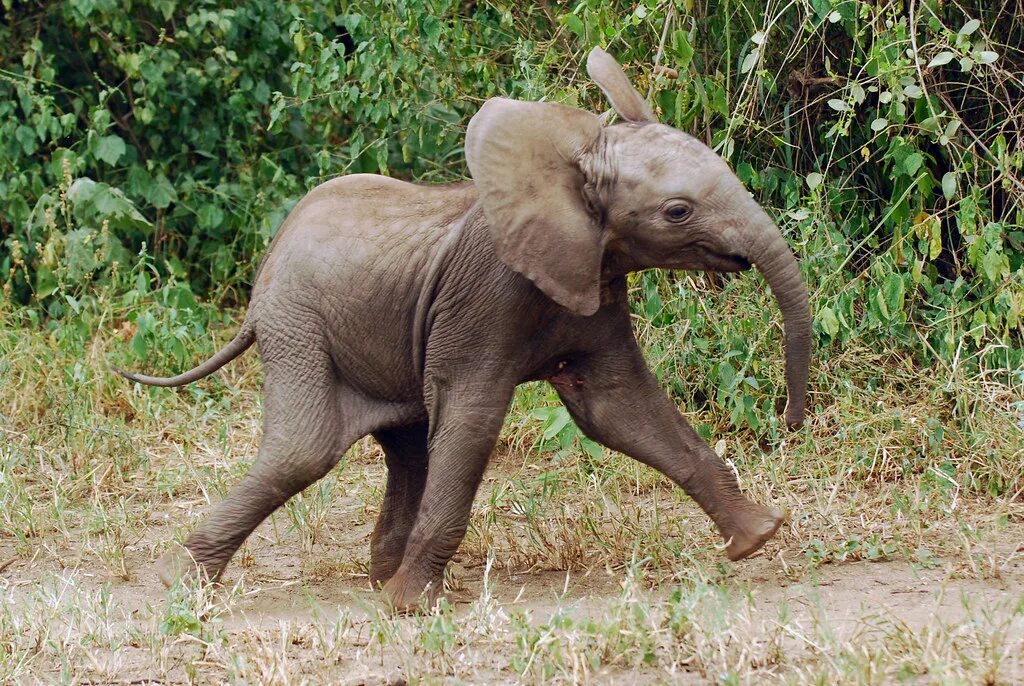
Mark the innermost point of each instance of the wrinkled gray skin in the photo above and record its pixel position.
(411, 313)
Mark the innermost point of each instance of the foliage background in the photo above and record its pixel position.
(149, 150)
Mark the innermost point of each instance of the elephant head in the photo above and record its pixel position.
(571, 203)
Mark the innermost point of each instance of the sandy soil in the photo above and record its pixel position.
(287, 589)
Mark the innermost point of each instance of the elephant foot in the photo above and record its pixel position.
(382, 569)
(178, 564)
(409, 595)
(752, 530)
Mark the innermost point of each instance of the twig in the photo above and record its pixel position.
(917, 61)
(126, 682)
(670, 14)
(984, 148)
(7, 563)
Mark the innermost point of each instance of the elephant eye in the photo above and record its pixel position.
(677, 213)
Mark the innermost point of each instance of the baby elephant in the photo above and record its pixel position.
(411, 313)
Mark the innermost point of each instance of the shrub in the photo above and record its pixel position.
(885, 141)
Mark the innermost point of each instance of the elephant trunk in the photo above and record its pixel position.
(776, 262)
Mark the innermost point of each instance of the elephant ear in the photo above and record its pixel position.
(525, 158)
(626, 100)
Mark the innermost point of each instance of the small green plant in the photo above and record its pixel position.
(310, 510)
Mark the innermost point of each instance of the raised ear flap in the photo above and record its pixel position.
(607, 74)
(526, 160)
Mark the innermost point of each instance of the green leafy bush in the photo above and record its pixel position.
(884, 137)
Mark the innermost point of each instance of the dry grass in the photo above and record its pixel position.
(902, 559)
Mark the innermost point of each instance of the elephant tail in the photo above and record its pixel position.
(238, 345)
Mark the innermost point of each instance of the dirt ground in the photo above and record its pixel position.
(289, 595)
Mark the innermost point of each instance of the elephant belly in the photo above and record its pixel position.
(368, 325)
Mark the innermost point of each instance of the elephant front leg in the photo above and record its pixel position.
(616, 401)
(405, 453)
(463, 432)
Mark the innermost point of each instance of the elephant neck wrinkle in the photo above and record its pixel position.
(599, 177)
(615, 265)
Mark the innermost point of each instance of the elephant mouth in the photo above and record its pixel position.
(722, 262)
(734, 263)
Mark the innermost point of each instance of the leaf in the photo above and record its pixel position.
(932, 124)
(139, 345)
(757, 38)
(894, 292)
(970, 27)
(210, 216)
(813, 180)
(880, 301)
(979, 322)
(160, 193)
(575, 25)
(934, 239)
(839, 105)
(928, 228)
(430, 26)
(746, 173)
(166, 8)
(76, 305)
(828, 322)
(557, 421)
(949, 185)
(995, 264)
(727, 376)
(109, 149)
(124, 211)
(987, 57)
(109, 201)
(591, 448)
(879, 124)
(27, 137)
(46, 282)
(944, 57)
(718, 98)
(822, 8)
(966, 63)
(81, 190)
(683, 50)
(653, 304)
(913, 91)
(912, 162)
(750, 60)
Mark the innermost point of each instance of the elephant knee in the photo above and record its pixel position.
(291, 468)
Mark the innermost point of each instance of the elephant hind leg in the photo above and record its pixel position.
(405, 453)
(302, 441)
